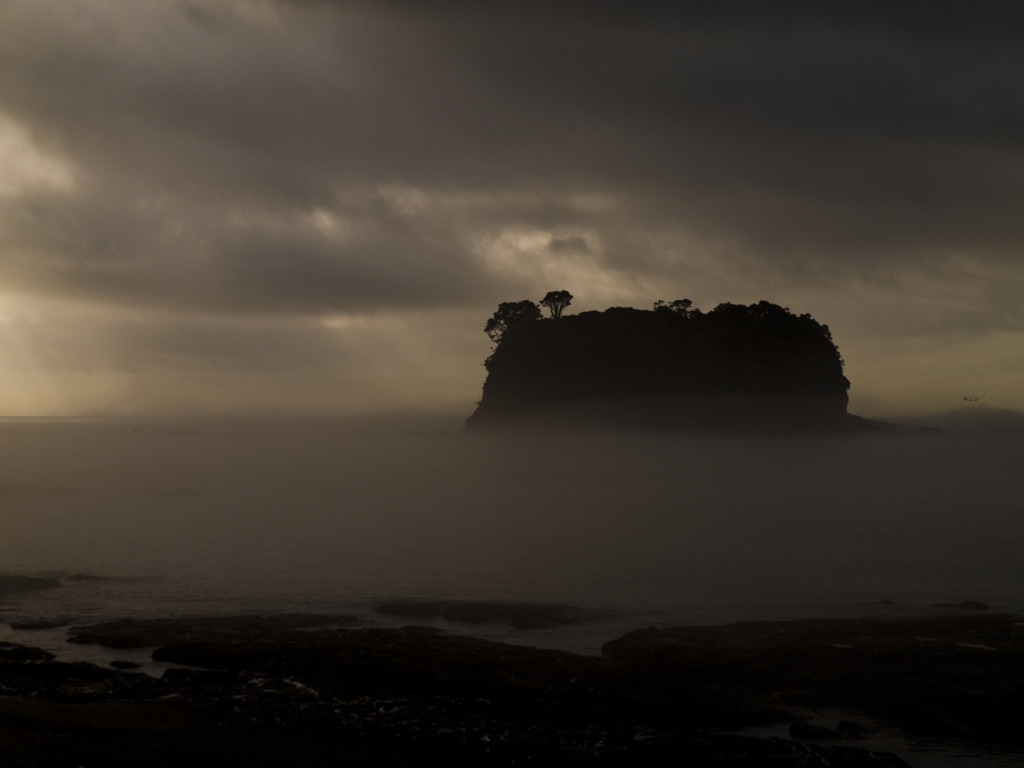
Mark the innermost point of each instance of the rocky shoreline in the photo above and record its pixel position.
(304, 690)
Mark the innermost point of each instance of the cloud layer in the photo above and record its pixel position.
(309, 171)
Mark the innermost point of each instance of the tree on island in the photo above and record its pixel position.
(556, 302)
(680, 307)
(511, 314)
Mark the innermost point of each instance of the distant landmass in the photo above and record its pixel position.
(756, 367)
(972, 420)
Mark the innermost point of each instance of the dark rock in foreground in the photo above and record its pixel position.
(945, 676)
(279, 690)
(518, 615)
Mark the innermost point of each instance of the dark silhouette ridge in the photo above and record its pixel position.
(736, 368)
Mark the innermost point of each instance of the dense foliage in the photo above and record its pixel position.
(672, 365)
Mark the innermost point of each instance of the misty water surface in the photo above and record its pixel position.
(222, 517)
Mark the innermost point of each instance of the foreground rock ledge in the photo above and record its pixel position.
(301, 691)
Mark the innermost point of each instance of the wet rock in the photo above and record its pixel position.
(849, 729)
(44, 678)
(964, 605)
(12, 584)
(278, 695)
(948, 675)
(411, 608)
(408, 660)
(811, 731)
(519, 615)
(190, 678)
(39, 624)
(17, 654)
(146, 633)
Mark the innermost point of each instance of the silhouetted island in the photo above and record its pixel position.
(736, 368)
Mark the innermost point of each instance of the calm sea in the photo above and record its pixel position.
(154, 519)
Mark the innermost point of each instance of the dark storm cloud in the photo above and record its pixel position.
(196, 254)
(813, 132)
(812, 139)
(204, 153)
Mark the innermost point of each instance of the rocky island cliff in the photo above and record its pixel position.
(755, 367)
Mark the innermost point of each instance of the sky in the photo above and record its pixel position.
(302, 206)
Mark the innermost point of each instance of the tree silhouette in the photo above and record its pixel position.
(556, 302)
(511, 314)
(681, 307)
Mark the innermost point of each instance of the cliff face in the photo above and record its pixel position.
(734, 368)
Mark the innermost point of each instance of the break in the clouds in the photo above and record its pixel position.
(329, 190)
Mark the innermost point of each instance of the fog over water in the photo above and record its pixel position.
(225, 517)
